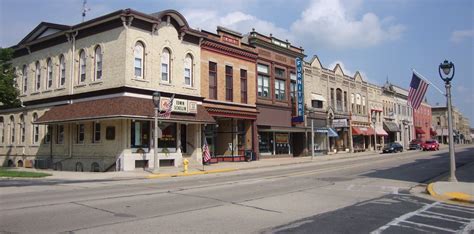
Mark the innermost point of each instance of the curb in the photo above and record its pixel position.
(181, 174)
(453, 196)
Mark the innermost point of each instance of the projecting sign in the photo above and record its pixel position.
(299, 90)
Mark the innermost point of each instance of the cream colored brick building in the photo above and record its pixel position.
(77, 81)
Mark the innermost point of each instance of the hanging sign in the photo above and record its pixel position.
(299, 91)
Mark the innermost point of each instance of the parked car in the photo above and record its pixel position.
(415, 145)
(430, 145)
(393, 148)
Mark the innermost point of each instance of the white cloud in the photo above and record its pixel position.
(236, 20)
(459, 35)
(329, 23)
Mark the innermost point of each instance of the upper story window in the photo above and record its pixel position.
(139, 54)
(212, 80)
(261, 68)
(62, 71)
(38, 76)
(49, 72)
(352, 102)
(98, 63)
(80, 133)
(12, 129)
(263, 86)
(339, 100)
(188, 70)
(358, 104)
(165, 65)
(280, 93)
(333, 101)
(345, 101)
(364, 109)
(82, 66)
(229, 87)
(243, 86)
(293, 86)
(317, 104)
(25, 78)
(280, 73)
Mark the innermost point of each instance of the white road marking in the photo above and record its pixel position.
(429, 226)
(442, 218)
(445, 215)
(404, 217)
(468, 228)
(458, 207)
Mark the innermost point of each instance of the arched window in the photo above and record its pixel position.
(82, 66)
(35, 129)
(49, 78)
(98, 63)
(338, 99)
(38, 76)
(12, 129)
(2, 130)
(139, 54)
(165, 65)
(188, 70)
(62, 71)
(25, 78)
(22, 129)
(358, 101)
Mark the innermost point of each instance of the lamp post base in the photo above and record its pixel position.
(452, 179)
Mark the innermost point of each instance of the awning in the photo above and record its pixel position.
(364, 131)
(432, 132)
(419, 131)
(317, 97)
(391, 127)
(332, 132)
(380, 131)
(118, 107)
(283, 129)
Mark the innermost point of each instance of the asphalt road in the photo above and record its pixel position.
(344, 196)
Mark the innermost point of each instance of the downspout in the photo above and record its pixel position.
(73, 52)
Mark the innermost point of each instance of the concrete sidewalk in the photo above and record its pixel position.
(220, 167)
(461, 191)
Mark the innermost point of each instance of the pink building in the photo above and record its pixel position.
(422, 122)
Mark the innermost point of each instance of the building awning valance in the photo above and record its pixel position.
(391, 127)
(284, 129)
(118, 107)
(419, 131)
(317, 97)
(380, 131)
(364, 131)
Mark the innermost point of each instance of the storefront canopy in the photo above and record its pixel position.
(380, 131)
(317, 97)
(365, 131)
(391, 127)
(330, 131)
(118, 107)
(432, 132)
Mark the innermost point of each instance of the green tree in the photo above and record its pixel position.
(8, 91)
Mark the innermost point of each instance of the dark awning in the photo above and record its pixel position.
(419, 131)
(118, 107)
(391, 127)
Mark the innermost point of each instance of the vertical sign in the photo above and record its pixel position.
(299, 91)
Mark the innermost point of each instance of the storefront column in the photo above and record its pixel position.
(255, 140)
(178, 138)
(351, 144)
(198, 142)
(274, 144)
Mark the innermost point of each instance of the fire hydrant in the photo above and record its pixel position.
(185, 164)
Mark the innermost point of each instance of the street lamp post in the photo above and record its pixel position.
(156, 102)
(374, 119)
(446, 67)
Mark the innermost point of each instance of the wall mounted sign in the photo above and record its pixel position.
(299, 91)
(339, 123)
(179, 105)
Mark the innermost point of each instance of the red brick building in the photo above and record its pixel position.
(422, 122)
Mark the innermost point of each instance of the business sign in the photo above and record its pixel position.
(339, 123)
(179, 105)
(299, 91)
(281, 138)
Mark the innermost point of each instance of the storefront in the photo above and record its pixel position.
(361, 136)
(118, 132)
(340, 143)
(392, 130)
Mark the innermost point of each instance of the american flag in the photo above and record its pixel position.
(418, 88)
(206, 155)
(167, 113)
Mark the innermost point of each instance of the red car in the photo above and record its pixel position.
(430, 145)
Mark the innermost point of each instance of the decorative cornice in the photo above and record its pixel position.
(228, 50)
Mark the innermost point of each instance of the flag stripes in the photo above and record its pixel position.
(418, 88)
(205, 151)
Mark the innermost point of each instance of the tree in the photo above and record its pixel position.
(8, 90)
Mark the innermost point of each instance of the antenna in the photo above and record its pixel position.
(84, 10)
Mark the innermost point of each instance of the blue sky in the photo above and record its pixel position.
(379, 38)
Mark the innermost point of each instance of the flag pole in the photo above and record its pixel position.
(429, 82)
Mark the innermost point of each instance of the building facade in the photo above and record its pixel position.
(86, 91)
(460, 125)
(422, 121)
(228, 78)
(276, 96)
